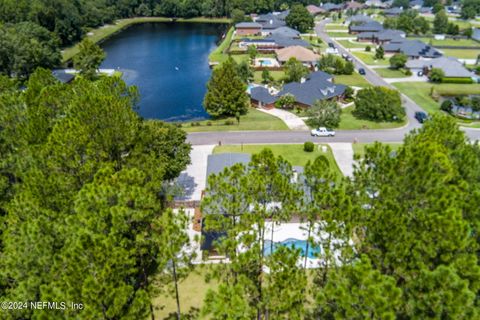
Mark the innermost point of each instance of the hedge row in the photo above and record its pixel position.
(457, 80)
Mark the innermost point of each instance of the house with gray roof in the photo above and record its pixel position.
(393, 12)
(372, 26)
(248, 28)
(330, 7)
(272, 43)
(271, 21)
(286, 32)
(452, 68)
(359, 19)
(260, 97)
(377, 4)
(414, 49)
(63, 76)
(476, 34)
(416, 4)
(381, 37)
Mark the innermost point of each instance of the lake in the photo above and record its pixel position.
(168, 62)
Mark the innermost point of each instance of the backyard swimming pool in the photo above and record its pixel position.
(296, 244)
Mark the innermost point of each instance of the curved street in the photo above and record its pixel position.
(350, 136)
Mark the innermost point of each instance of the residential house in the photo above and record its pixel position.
(271, 21)
(377, 4)
(248, 28)
(381, 37)
(272, 43)
(452, 68)
(372, 26)
(63, 76)
(314, 10)
(358, 19)
(260, 97)
(414, 49)
(304, 55)
(353, 5)
(286, 32)
(331, 7)
(416, 4)
(476, 34)
(393, 12)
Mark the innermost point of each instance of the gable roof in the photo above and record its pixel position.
(262, 95)
(374, 26)
(216, 163)
(287, 42)
(359, 18)
(248, 25)
(320, 75)
(286, 32)
(313, 9)
(63, 76)
(393, 11)
(330, 6)
(451, 67)
(298, 52)
(389, 34)
(312, 89)
(353, 5)
(412, 48)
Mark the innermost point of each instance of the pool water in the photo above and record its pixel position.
(265, 62)
(296, 244)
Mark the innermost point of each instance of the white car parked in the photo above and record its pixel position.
(322, 132)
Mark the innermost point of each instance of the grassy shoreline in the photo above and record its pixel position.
(104, 32)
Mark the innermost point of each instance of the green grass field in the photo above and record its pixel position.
(420, 92)
(218, 54)
(353, 44)
(461, 53)
(276, 75)
(390, 73)
(368, 58)
(105, 31)
(449, 42)
(359, 148)
(350, 122)
(253, 120)
(332, 26)
(291, 152)
(340, 34)
(355, 79)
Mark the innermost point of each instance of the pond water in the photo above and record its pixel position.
(168, 62)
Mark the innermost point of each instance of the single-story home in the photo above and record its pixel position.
(416, 4)
(381, 37)
(286, 32)
(377, 4)
(358, 19)
(452, 68)
(372, 26)
(414, 49)
(314, 10)
(476, 34)
(248, 28)
(272, 43)
(271, 21)
(302, 54)
(393, 12)
(331, 7)
(316, 86)
(353, 5)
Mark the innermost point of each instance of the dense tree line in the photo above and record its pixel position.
(398, 241)
(83, 188)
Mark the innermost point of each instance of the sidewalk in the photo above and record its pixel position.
(291, 120)
(343, 154)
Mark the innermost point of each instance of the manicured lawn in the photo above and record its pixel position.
(276, 75)
(238, 57)
(355, 79)
(461, 53)
(340, 35)
(449, 42)
(420, 92)
(368, 58)
(192, 290)
(218, 54)
(105, 31)
(350, 122)
(353, 44)
(359, 148)
(336, 27)
(390, 73)
(253, 120)
(291, 152)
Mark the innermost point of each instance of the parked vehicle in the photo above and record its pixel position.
(331, 45)
(420, 74)
(421, 116)
(322, 132)
(331, 51)
(361, 71)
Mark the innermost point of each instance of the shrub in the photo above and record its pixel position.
(379, 104)
(368, 48)
(192, 124)
(308, 146)
(349, 92)
(436, 75)
(457, 80)
(229, 122)
(324, 113)
(408, 72)
(398, 61)
(209, 123)
(446, 106)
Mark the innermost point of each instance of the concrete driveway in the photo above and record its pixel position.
(291, 120)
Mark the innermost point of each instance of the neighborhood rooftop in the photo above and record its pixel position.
(451, 67)
(412, 48)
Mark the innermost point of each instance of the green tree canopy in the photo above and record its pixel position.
(295, 70)
(324, 113)
(440, 23)
(299, 18)
(88, 59)
(379, 104)
(398, 60)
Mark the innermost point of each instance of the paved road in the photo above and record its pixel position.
(269, 137)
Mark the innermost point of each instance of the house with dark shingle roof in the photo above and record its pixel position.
(248, 28)
(372, 26)
(286, 32)
(359, 19)
(271, 21)
(330, 7)
(63, 76)
(260, 97)
(416, 4)
(272, 43)
(393, 12)
(381, 37)
(452, 68)
(414, 49)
